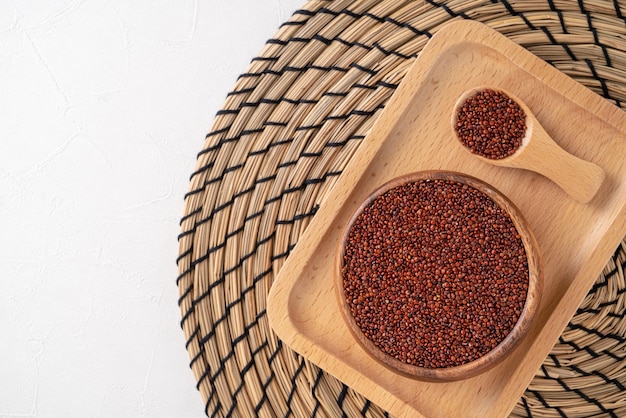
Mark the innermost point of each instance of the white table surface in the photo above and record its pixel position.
(104, 105)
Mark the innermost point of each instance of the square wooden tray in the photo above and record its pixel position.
(414, 134)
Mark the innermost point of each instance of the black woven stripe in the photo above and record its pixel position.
(184, 254)
(544, 371)
(206, 255)
(263, 59)
(302, 69)
(379, 83)
(387, 85)
(240, 92)
(272, 356)
(272, 123)
(275, 41)
(192, 337)
(250, 189)
(341, 398)
(514, 12)
(197, 356)
(605, 90)
(233, 406)
(284, 254)
(325, 10)
(602, 376)
(220, 143)
(298, 217)
(602, 335)
(553, 41)
(576, 347)
(613, 356)
(316, 383)
(219, 178)
(587, 398)
(600, 284)
(406, 25)
(345, 141)
(203, 376)
(224, 205)
(223, 112)
(355, 112)
(294, 386)
(187, 314)
(187, 216)
(218, 406)
(293, 23)
(599, 311)
(618, 10)
(264, 397)
(228, 307)
(593, 30)
(366, 407)
(304, 12)
(445, 7)
(364, 69)
(281, 100)
(351, 44)
(244, 370)
(335, 94)
(213, 377)
(376, 18)
(260, 315)
(255, 280)
(560, 14)
(202, 169)
(318, 180)
(596, 39)
(555, 360)
(392, 52)
(546, 405)
(287, 164)
(529, 413)
(183, 274)
(614, 301)
(276, 102)
(374, 86)
(186, 293)
(315, 409)
(309, 127)
(218, 132)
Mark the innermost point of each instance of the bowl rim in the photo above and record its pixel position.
(529, 310)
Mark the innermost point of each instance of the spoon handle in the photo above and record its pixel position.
(580, 179)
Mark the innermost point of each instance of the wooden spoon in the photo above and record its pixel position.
(538, 152)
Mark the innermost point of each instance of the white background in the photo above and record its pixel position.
(104, 105)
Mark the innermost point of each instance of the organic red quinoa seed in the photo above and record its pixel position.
(435, 273)
(491, 124)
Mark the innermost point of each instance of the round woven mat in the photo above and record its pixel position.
(284, 135)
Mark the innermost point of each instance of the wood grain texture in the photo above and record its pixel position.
(413, 134)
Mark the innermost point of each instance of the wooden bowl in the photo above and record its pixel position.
(490, 359)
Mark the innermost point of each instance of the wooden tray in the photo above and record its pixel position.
(414, 134)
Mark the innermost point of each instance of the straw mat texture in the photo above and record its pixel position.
(285, 133)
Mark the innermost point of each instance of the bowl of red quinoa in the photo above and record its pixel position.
(438, 276)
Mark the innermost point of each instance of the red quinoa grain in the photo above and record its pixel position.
(435, 273)
(491, 124)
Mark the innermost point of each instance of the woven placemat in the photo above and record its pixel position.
(284, 135)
